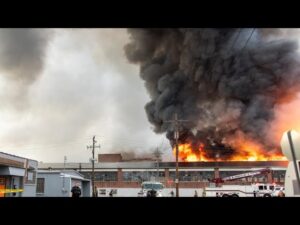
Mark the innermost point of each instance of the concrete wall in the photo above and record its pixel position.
(29, 190)
(133, 192)
(54, 185)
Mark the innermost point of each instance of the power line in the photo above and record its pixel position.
(211, 66)
(248, 39)
(237, 36)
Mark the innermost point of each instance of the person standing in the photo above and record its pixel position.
(196, 194)
(172, 193)
(281, 194)
(76, 191)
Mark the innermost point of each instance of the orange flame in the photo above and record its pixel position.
(286, 117)
(248, 152)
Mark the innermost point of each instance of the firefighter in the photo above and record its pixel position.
(111, 194)
(281, 194)
(76, 191)
(151, 193)
(14, 193)
(196, 194)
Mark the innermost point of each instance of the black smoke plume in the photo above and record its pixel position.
(226, 82)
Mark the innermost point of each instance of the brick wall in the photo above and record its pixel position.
(135, 184)
(117, 184)
(109, 157)
(169, 183)
(120, 175)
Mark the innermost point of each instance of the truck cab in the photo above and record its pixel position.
(151, 187)
(277, 191)
(264, 190)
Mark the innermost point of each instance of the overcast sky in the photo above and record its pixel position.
(60, 87)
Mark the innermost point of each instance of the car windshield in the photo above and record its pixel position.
(153, 186)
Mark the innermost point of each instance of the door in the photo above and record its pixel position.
(2, 186)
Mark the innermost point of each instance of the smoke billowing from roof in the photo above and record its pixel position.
(226, 82)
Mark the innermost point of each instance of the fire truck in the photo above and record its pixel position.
(253, 190)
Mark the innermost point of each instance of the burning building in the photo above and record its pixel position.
(229, 84)
(126, 176)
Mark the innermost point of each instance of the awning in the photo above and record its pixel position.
(12, 171)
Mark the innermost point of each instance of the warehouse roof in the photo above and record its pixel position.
(151, 165)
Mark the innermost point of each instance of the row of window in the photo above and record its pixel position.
(141, 176)
(193, 175)
(101, 176)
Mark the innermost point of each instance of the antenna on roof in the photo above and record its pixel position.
(63, 189)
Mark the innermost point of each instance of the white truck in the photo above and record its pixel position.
(151, 188)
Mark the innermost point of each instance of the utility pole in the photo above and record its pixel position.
(93, 164)
(176, 122)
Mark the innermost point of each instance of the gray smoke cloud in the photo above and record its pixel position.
(226, 82)
(85, 87)
(22, 53)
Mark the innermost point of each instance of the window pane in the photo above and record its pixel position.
(30, 176)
